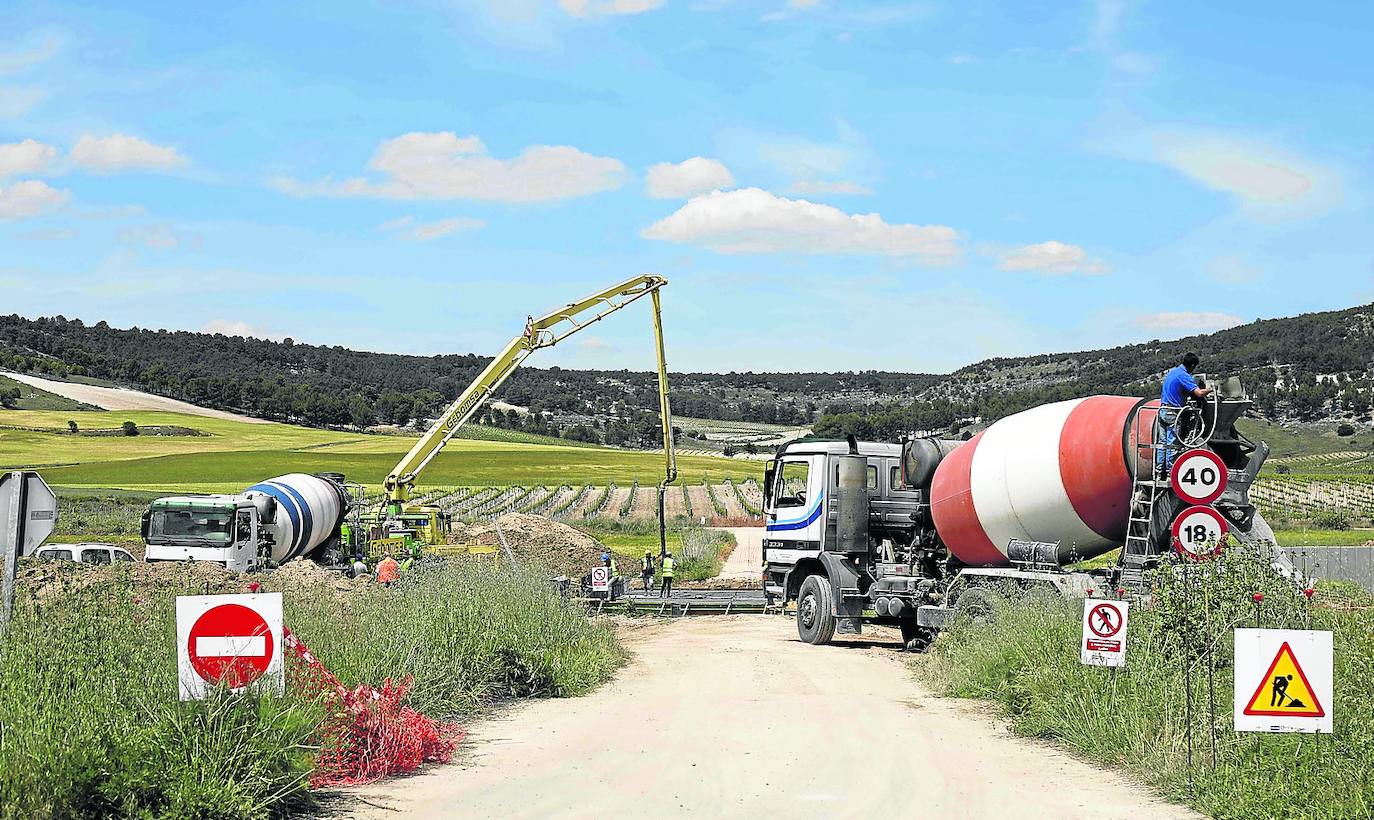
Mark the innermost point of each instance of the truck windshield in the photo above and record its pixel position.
(213, 526)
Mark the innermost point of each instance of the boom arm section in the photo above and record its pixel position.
(546, 331)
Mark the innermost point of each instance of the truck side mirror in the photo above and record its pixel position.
(144, 525)
(769, 473)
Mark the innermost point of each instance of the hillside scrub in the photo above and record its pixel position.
(89, 719)
(1026, 659)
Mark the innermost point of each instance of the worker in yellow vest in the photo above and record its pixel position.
(666, 573)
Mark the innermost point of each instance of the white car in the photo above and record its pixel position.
(85, 553)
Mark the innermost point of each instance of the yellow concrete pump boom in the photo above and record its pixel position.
(546, 331)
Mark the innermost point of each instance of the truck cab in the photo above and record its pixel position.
(222, 529)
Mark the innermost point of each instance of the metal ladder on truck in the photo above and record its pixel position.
(1137, 554)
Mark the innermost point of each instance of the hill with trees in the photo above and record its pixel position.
(1313, 367)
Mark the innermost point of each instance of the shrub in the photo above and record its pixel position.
(1027, 660)
(72, 428)
(129, 428)
(1345, 430)
(90, 724)
(1331, 520)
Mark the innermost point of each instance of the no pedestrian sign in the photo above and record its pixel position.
(601, 579)
(1284, 680)
(1104, 633)
(229, 641)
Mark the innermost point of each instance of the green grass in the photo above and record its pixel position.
(699, 553)
(1304, 439)
(32, 398)
(1026, 661)
(1324, 538)
(236, 454)
(90, 725)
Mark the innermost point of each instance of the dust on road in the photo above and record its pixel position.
(735, 717)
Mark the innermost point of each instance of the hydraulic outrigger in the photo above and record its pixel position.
(545, 331)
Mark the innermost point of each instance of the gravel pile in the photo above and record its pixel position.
(538, 542)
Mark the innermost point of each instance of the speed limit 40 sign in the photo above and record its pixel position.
(1199, 532)
(1198, 476)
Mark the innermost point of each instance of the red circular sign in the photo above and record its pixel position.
(1198, 476)
(231, 645)
(1104, 620)
(1199, 532)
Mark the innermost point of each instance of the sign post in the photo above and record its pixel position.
(231, 641)
(1284, 680)
(1104, 632)
(28, 513)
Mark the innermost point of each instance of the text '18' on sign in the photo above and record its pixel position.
(230, 642)
(1198, 476)
(1284, 680)
(1104, 632)
(1199, 533)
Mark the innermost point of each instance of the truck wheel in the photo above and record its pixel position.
(977, 605)
(916, 638)
(816, 610)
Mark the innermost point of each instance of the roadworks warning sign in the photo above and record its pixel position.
(1283, 680)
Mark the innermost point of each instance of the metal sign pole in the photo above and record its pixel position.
(12, 543)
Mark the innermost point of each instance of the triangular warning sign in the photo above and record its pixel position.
(1284, 690)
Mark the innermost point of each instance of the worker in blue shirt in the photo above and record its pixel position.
(1179, 387)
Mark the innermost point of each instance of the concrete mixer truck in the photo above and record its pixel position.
(914, 534)
(273, 521)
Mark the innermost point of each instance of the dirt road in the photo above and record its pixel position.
(739, 719)
(746, 559)
(120, 398)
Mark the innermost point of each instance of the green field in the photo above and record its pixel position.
(31, 398)
(230, 455)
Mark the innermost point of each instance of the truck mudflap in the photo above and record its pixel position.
(933, 616)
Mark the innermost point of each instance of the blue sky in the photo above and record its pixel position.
(828, 185)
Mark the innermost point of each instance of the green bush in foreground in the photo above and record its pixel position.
(90, 724)
(1027, 660)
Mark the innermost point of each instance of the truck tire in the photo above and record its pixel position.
(816, 610)
(916, 638)
(978, 605)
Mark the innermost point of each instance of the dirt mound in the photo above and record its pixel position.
(538, 541)
(47, 579)
(302, 575)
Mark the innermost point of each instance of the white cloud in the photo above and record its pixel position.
(587, 8)
(751, 220)
(231, 327)
(50, 235)
(962, 59)
(594, 343)
(810, 187)
(1233, 269)
(1051, 257)
(1262, 177)
(1187, 322)
(120, 152)
(687, 178)
(18, 100)
(407, 228)
(38, 47)
(30, 198)
(159, 237)
(442, 165)
(27, 157)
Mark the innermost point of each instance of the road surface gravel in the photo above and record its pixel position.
(734, 717)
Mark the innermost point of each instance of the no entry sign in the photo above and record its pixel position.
(1198, 477)
(1104, 633)
(231, 641)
